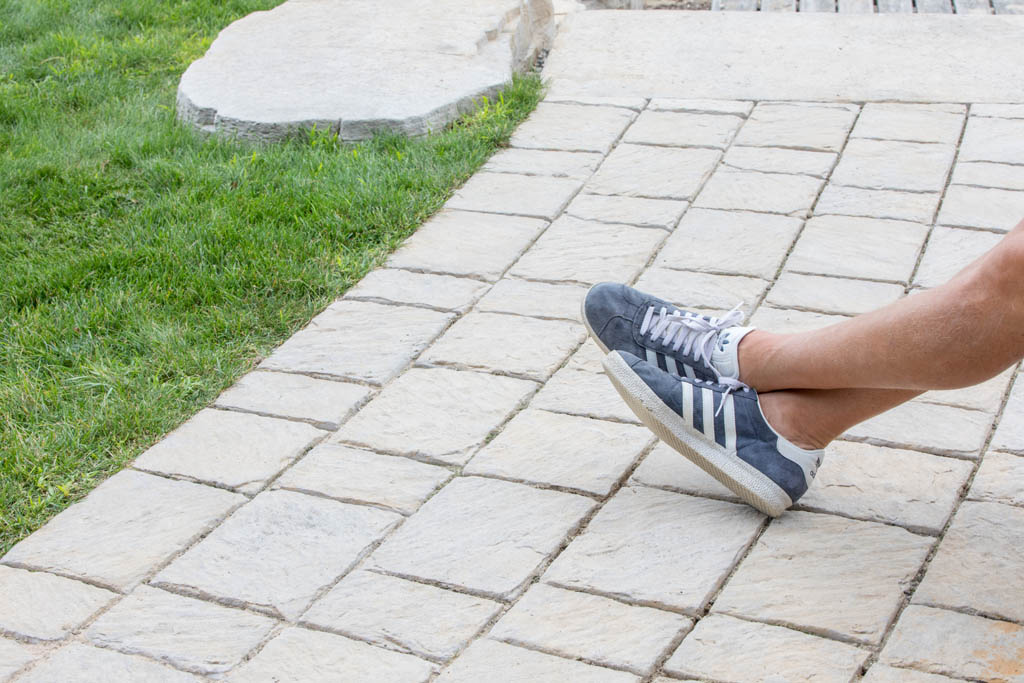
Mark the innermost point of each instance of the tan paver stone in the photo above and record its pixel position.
(406, 287)
(282, 394)
(826, 574)
(663, 467)
(588, 252)
(1009, 434)
(577, 165)
(589, 627)
(1000, 479)
(980, 563)
(928, 426)
(856, 201)
(990, 139)
(798, 125)
(957, 644)
(520, 195)
(40, 606)
(858, 247)
(880, 673)
(655, 172)
(484, 535)
(278, 551)
(710, 106)
(949, 251)
(737, 242)
(1006, 111)
(426, 620)
(634, 103)
(464, 243)
(350, 474)
(538, 299)
(483, 658)
(981, 207)
(359, 340)
(506, 344)
(587, 359)
(572, 127)
(683, 129)
(586, 393)
(910, 122)
(987, 396)
(657, 547)
(298, 654)
(229, 449)
(437, 413)
(84, 664)
(648, 213)
(124, 529)
(13, 656)
(780, 160)
(987, 174)
(894, 165)
(753, 191)
(724, 648)
(562, 450)
(190, 634)
(831, 294)
(911, 489)
(690, 290)
(787, 320)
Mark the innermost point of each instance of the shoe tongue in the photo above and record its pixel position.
(726, 357)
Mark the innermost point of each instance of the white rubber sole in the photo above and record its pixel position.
(586, 323)
(738, 476)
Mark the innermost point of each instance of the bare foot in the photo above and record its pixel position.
(791, 413)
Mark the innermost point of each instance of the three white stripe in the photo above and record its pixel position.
(708, 413)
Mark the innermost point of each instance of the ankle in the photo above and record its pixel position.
(754, 353)
(789, 414)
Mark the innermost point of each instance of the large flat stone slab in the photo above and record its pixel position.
(40, 606)
(85, 664)
(518, 665)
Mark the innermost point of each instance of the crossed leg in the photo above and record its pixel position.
(816, 385)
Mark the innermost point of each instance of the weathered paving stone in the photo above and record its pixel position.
(1000, 479)
(655, 172)
(359, 340)
(538, 299)
(787, 320)
(521, 195)
(577, 165)
(437, 413)
(275, 553)
(957, 644)
(1009, 434)
(664, 468)
(648, 213)
(563, 450)
(588, 252)
(690, 290)
(229, 449)
(780, 160)
(124, 529)
(949, 251)
(724, 648)
(831, 294)
(980, 563)
(981, 207)
(880, 673)
(484, 535)
(856, 201)
(803, 126)
(1004, 111)
(989, 139)
(13, 656)
(426, 620)
(986, 174)
(987, 396)
(572, 127)
(190, 634)
(737, 107)
(465, 243)
(589, 627)
(657, 547)
(350, 474)
(39, 606)
(928, 426)
(483, 658)
(406, 287)
(587, 359)
(84, 664)
(754, 191)
(911, 489)
(506, 344)
(756, 243)
(858, 247)
(683, 129)
(586, 393)
(298, 654)
(910, 122)
(830, 575)
(326, 402)
(894, 165)
(634, 103)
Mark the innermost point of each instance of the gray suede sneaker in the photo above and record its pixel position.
(682, 343)
(720, 428)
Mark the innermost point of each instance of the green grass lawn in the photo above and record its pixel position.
(143, 268)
